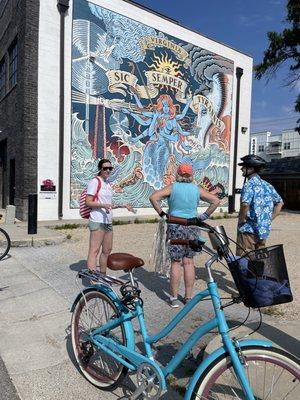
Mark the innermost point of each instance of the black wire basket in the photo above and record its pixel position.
(261, 277)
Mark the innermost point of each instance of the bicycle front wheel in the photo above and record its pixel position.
(272, 374)
(4, 243)
(92, 311)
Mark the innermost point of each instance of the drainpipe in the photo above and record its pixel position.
(62, 6)
(231, 199)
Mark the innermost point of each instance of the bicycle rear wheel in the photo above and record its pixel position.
(4, 243)
(272, 374)
(93, 310)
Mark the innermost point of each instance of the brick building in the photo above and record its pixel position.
(75, 86)
(19, 22)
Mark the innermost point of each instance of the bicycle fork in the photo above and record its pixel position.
(231, 346)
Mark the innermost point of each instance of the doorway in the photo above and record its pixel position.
(12, 181)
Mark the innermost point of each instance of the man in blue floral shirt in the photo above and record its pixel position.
(260, 204)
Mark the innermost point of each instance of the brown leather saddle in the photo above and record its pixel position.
(123, 261)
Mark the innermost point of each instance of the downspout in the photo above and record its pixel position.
(231, 199)
(62, 6)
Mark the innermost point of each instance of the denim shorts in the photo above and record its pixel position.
(177, 252)
(99, 226)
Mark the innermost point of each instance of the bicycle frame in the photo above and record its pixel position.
(129, 357)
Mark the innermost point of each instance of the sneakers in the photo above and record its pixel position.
(174, 303)
(186, 300)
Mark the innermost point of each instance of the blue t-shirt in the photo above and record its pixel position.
(184, 200)
(261, 197)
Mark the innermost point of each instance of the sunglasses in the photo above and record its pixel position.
(107, 168)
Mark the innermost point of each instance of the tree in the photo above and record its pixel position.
(284, 48)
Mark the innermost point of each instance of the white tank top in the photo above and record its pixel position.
(104, 197)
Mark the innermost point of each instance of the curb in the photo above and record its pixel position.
(38, 242)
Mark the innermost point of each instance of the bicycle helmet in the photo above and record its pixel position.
(251, 160)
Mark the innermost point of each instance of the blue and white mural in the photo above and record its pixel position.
(147, 101)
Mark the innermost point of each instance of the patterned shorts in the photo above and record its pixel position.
(177, 252)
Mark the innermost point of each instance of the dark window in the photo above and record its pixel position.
(261, 147)
(2, 77)
(287, 146)
(13, 65)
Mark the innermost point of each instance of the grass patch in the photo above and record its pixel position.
(118, 222)
(145, 221)
(67, 226)
(275, 311)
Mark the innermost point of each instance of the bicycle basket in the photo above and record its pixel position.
(261, 277)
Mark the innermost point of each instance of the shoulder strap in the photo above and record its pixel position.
(98, 187)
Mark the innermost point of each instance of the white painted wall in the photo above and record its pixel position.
(49, 93)
(48, 105)
(292, 137)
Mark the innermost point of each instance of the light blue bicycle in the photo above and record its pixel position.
(103, 340)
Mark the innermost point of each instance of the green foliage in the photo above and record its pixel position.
(119, 222)
(283, 48)
(67, 226)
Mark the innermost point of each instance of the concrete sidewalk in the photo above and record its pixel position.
(36, 291)
(19, 236)
(37, 288)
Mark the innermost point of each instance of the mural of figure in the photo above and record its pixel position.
(166, 135)
(162, 121)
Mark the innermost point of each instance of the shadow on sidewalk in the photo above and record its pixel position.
(279, 338)
(153, 282)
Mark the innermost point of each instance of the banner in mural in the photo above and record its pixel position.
(147, 101)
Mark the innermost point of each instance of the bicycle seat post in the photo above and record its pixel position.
(131, 277)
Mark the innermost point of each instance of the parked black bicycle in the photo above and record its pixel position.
(4, 243)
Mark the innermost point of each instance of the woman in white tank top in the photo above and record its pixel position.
(100, 221)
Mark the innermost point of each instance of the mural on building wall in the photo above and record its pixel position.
(147, 101)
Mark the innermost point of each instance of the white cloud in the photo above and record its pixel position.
(296, 87)
(287, 109)
(261, 104)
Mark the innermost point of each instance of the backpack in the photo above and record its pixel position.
(85, 211)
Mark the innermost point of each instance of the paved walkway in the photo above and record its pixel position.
(36, 291)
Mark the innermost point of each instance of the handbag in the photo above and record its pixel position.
(84, 210)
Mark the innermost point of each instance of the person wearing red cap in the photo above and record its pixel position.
(183, 197)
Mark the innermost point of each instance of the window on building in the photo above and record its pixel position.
(287, 146)
(261, 148)
(13, 65)
(2, 77)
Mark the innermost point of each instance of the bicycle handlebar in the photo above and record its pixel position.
(188, 222)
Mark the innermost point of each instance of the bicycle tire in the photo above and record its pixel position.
(4, 243)
(98, 367)
(272, 373)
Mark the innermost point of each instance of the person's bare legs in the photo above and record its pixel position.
(106, 250)
(96, 239)
(175, 278)
(189, 276)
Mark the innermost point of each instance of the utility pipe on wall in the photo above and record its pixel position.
(63, 6)
(231, 199)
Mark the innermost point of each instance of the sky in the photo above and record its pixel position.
(243, 25)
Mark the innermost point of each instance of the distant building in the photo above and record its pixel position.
(274, 147)
(282, 153)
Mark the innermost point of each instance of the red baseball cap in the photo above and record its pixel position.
(185, 169)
